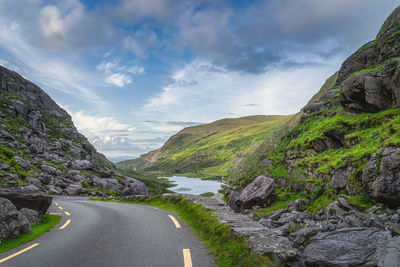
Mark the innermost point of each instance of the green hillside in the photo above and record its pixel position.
(211, 150)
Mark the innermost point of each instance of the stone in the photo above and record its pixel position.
(81, 165)
(275, 215)
(395, 228)
(390, 253)
(73, 189)
(44, 178)
(31, 215)
(259, 192)
(313, 107)
(344, 204)
(34, 181)
(233, 196)
(384, 184)
(9, 226)
(346, 247)
(23, 163)
(36, 201)
(48, 169)
(339, 178)
(4, 167)
(24, 225)
(137, 187)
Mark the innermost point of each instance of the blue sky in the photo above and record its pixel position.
(133, 72)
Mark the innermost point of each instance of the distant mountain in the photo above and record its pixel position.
(213, 149)
(40, 147)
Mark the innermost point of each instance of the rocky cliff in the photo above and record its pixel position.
(328, 193)
(41, 149)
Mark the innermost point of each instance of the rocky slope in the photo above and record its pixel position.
(213, 149)
(330, 188)
(41, 149)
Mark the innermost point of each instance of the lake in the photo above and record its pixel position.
(193, 186)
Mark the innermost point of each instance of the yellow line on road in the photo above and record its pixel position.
(61, 208)
(177, 225)
(65, 224)
(187, 259)
(66, 212)
(19, 252)
(56, 203)
(55, 213)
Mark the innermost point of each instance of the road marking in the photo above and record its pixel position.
(66, 212)
(65, 224)
(55, 213)
(56, 203)
(187, 259)
(155, 208)
(61, 208)
(177, 225)
(19, 252)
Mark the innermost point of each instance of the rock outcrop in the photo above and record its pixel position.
(40, 146)
(20, 198)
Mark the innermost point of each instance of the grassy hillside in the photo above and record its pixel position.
(211, 150)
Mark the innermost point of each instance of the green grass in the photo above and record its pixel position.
(48, 222)
(211, 150)
(228, 249)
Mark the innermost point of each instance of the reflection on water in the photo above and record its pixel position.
(194, 186)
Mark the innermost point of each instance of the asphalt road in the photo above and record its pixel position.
(112, 234)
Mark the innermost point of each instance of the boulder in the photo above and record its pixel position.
(339, 178)
(24, 225)
(313, 107)
(31, 215)
(34, 181)
(9, 226)
(74, 189)
(137, 187)
(81, 165)
(381, 177)
(346, 247)
(258, 193)
(36, 201)
(44, 178)
(48, 169)
(233, 196)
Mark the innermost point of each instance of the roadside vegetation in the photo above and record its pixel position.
(228, 249)
(47, 223)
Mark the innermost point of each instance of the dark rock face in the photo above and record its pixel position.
(22, 199)
(381, 178)
(24, 225)
(346, 247)
(258, 193)
(390, 253)
(373, 91)
(9, 226)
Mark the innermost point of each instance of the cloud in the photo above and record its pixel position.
(226, 93)
(98, 124)
(116, 74)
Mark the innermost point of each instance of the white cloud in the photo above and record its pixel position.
(97, 125)
(203, 92)
(116, 74)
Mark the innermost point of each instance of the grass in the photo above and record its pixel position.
(48, 222)
(228, 249)
(210, 150)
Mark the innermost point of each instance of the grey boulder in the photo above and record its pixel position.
(258, 193)
(24, 225)
(9, 226)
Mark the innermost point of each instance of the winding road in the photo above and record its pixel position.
(98, 234)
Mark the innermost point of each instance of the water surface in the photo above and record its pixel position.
(194, 186)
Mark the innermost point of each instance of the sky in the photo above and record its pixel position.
(133, 72)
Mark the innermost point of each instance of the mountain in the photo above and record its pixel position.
(348, 141)
(213, 149)
(41, 149)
